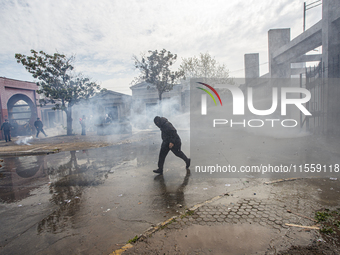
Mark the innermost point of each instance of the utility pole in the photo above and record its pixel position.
(307, 7)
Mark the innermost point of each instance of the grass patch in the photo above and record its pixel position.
(133, 240)
(330, 225)
(187, 213)
(327, 230)
(322, 216)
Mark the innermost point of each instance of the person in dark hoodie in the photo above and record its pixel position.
(171, 141)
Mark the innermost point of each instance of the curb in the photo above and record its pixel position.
(161, 225)
(29, 153)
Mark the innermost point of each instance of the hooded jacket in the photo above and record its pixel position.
(169, 133)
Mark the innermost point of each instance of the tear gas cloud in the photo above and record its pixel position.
(23, 140)
(121, 111)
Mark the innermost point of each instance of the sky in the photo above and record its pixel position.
(105, 34)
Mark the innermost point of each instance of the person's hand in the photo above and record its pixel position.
(171, 145)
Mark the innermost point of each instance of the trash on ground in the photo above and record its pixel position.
(300, 226)
(301, 215)
(282, 180)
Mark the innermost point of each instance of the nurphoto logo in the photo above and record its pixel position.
(302, 96)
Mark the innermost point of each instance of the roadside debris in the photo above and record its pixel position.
(300, 226)
(282, 180)
(301, 215)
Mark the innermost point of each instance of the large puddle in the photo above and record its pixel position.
(94, 200)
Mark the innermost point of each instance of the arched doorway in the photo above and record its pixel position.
(21, 114)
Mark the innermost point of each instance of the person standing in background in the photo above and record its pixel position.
(7, 130)
(82, 122)
(39, 126)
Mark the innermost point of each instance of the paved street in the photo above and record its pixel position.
(94, 201)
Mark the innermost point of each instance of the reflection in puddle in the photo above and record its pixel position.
(20, 175)
(169, 199)
(65, 176)
(69, 181)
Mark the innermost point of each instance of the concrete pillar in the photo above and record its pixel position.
(252, 66)
(331, 63)
(331, 37)
(276, 39)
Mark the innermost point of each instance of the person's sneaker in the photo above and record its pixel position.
(158, 171)
(188, 163)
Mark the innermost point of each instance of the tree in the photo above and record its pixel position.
(206, 67)
(155, 69)
(57, 82)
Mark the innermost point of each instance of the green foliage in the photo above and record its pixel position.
(57, 81)
(155, 69)
(337, 223)
(322, 216)
(206, 67)
(187, 213)
(327, 230)
(133, 240)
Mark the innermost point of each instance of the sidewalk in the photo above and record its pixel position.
(248, 221)
(55, 144)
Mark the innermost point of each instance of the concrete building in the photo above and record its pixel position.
(145, 101)
(286, 54)
(107, 113)
(111, 103)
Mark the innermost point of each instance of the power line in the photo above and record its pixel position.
(307, 7)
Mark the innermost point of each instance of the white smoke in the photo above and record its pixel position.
(24, 140)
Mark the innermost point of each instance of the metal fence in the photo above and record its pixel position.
(324, 105)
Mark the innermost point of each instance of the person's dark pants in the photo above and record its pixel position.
(40, 130)
(7, 135)
(176, 149)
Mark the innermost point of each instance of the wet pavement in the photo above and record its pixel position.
(94, 201)
(245, 223)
